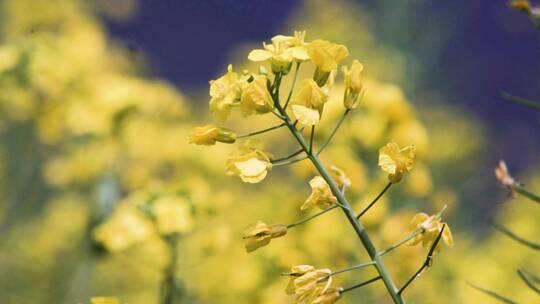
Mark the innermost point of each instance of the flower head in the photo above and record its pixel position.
(353, 84)
(326, 56)
(396, 161)
(251, 166)
(504, 177)
(321, 194)
(431, 227)
(256, 98)
(282, 52)
(342, 180)
(209, 134)
(329, 296)
(308, 103)
(261, 234)
(172, 215)
(225, 93)
(308, 283)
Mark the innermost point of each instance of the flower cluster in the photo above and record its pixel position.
(311, 285)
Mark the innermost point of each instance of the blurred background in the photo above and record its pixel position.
(97, 99)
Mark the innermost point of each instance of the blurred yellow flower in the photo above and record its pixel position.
(308, 103)
(261, 234)
(431, 227)
(104, 300)
(256, 98)
(209, 134)
(124, 228)
(395, 160)
(522, 5)
(353, 84)
(172, 215)
(282, 51)
(225, 93)
(329, 296)
(321, 195)
(251, 167)
(341, 179)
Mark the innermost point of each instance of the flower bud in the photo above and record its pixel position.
(209, 134)
(261, 234)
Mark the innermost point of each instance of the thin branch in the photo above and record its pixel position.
(525, 276)
(333, 132)
(427, 263)
(521, 190)
(374, 201)
(287, 157)
(403, 241)
(360, 284)
(535, 105)
(311, 139)
(289, 162)
(492, 294)
(311, 217)
(359, 266)
(278, 115)
(262, 131)
(512, 235)
(292, 86)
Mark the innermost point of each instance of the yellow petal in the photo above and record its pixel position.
(259, 55)
(305, 115)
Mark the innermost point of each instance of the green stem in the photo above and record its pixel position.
(333, 132)
(169, 289)
(289, 162)
(292, 86)
(521, 190)
(522, 101)
(351, 217)
(311, 139)
(492, 294)
(517, 238)
(359, 266)
(360, 284)
(287, 157)
(261, 131)
(311, 217)
(526, 278)
(427, 262)
(374, 201)
(405, 240)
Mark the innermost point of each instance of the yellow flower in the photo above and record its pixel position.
(353, 84)
(104, 300)
(124, 228)
(326, 56)
(251, 167)
(225, 93)
(282, 52)
(321, 194)
(256, 98)
(209, 134)
(521, 5)
(172, 214)
(341, 179)
(396, 161)
(431, 227)
(308, 103)
(308, 283)
(504, 177)
(261, 234)
(329, 296)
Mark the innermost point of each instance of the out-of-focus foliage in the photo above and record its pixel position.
(86, 142)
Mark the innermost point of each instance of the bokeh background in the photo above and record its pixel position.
(97, 99)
